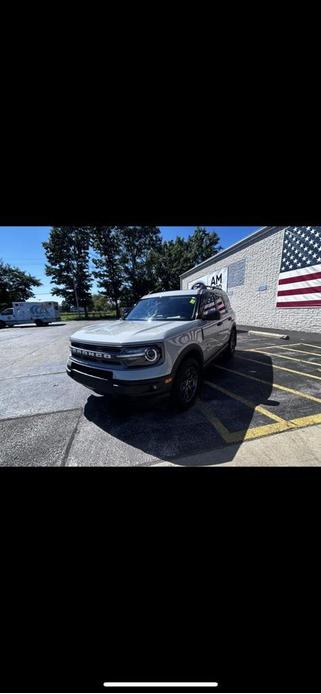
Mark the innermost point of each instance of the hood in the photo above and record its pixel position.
(119, 332)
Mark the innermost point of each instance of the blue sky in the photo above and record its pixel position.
(21, 246)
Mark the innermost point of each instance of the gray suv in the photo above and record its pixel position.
(160, 346)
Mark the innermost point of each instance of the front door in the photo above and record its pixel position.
(213, 331)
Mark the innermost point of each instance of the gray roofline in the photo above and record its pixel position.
(235, 246)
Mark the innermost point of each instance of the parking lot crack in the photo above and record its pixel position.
(38, 414)
(71, 440)
(47, 373)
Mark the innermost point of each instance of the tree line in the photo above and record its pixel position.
(15, 284)
(126, 262)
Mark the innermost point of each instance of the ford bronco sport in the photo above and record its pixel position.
(160, 346)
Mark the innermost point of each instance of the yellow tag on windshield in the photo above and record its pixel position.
(192, 300)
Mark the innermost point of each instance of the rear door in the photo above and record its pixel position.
(213, 331)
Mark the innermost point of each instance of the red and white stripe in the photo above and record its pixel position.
(300, 288)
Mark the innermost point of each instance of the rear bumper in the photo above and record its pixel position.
(108, 385)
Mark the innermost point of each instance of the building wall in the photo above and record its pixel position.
(262, 267)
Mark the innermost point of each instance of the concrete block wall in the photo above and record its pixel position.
(258, 308)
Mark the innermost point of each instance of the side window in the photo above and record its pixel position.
(220, 303)
(207, 302)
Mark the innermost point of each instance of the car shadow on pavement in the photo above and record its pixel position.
(216, 424)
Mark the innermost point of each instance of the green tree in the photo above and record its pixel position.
(202, 244)
(176, 256)
(101, 303)
(139, 244)
(169, 262)
(15, 284)
(65, 306)
(67, 252)
(107, 242)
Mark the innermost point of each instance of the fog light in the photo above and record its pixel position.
(169, 379)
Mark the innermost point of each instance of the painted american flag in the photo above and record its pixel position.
(299, 283)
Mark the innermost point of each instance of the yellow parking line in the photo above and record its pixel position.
(309, 420)
(300, 351)
(244, 434)
(281, 368)
(275, 346)
(278, 427)
(273, 385)
(282, 356)
(248, 403)
(259, 432)
(216, 423)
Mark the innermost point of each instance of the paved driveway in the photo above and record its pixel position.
(269, 391)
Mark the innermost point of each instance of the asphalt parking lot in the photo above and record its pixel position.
(267, 401)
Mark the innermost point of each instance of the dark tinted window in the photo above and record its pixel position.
(207, 302)
(220, 302)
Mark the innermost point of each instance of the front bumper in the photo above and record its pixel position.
(104, 383)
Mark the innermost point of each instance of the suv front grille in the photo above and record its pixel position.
(96, 352)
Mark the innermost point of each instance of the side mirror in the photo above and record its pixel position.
(126, 311)
(211, 314)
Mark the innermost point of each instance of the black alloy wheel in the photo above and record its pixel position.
(186, 383)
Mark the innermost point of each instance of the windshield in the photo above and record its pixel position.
(164, 308)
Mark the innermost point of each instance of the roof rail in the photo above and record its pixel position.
(202, 286)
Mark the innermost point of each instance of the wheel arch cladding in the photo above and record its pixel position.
(192, 351)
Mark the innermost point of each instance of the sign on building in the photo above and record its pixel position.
(218, 278)
(236, 274)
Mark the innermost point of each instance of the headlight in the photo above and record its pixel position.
(152, 354)
(141, 356)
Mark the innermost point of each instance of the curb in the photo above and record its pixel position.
(257, 332)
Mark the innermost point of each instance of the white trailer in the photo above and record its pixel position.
(21, 312)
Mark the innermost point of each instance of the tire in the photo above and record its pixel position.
(229, 352)
(186, 384)
(38, 323)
